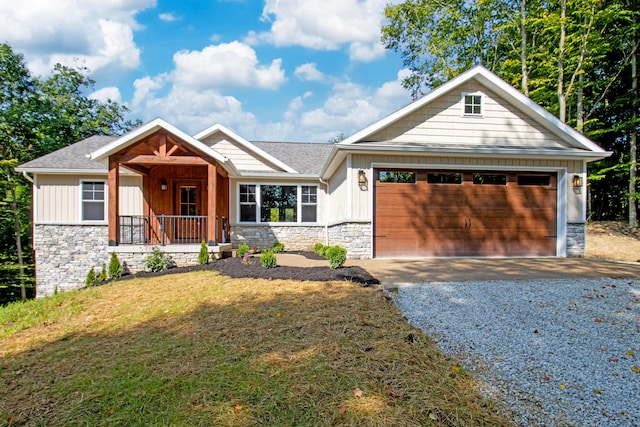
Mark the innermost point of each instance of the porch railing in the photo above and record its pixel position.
(167, 229)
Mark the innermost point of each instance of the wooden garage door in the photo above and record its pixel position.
(464, 213)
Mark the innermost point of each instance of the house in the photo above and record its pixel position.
(473, 168)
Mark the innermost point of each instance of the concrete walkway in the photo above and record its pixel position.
(391, 271)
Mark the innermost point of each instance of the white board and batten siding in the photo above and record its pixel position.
(57, 198)
(240, 158)
(442, 122)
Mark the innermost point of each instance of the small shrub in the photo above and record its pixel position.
(103, 274)
(323, 251)
(91, 277)
(278, 247)
(115, 268)
(319, 249)
(203, 255)
(157, 260)
(242, 249)
(336, 255)
(268, 259)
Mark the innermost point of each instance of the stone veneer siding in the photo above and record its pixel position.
(354, 236)
(294, 237)
(576, 239)
(65, 253)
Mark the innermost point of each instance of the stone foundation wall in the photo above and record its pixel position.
(294, 237)
(64, 254)
(354, 236)
(576, 239)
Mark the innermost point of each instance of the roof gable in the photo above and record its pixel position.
(249, 148)
(479, 76)
(148, 129)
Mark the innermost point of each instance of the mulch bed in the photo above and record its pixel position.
(234, 268)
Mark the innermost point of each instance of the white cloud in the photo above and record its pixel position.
(308, 72)
(93, 34)
(107, 94)
(168, 17)
(227, 64)
(190, 96)
(348, 108)
(327, 27)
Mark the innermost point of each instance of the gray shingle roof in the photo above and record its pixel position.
(72, 157)
(304, 157)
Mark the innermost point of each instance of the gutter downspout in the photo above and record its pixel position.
(326, 211)
(28, 177)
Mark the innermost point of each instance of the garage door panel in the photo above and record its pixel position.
(466, 219)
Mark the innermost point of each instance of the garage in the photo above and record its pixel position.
(431, 213)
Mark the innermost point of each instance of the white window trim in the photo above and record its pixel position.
(301, 203)
(481, 95)
(106, 201)
(258, 203)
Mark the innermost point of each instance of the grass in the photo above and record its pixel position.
(202, 349)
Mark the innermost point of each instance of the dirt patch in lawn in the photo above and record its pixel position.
(613, 240)
(235, 268)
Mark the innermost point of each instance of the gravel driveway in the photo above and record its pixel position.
(552, 352)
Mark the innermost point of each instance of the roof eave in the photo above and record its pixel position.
(340, 151)
(276, 175)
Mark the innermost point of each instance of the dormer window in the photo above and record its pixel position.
(472, 104)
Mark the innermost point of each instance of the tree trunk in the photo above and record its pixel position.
(523, 47)
(16, 218)
(633, 164)
(562, 102)
(580, 104)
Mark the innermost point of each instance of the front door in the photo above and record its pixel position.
(190, 224)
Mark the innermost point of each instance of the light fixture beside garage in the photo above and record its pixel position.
(362, 180)
(577, 181)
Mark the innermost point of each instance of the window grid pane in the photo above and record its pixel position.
(248, 203)
(93, 201)
(473, 104)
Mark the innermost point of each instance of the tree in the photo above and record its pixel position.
(38, 116)
(439, 40)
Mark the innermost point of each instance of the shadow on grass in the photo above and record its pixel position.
(242, 353)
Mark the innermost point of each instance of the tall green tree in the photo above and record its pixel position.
(38, 116)
(439, 40)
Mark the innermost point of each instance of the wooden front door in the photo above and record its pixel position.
(189, 225)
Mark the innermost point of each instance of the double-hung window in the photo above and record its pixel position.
(93, 200)
(248, 203)
(271, 203)
(309, 203)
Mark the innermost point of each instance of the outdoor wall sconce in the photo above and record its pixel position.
(362, 180)
(577, 181)
(163, 185)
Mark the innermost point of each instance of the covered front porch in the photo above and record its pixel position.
(185, 191)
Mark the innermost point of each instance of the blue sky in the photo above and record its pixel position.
(276, 70)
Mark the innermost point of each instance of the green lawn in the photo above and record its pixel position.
(203, 349)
